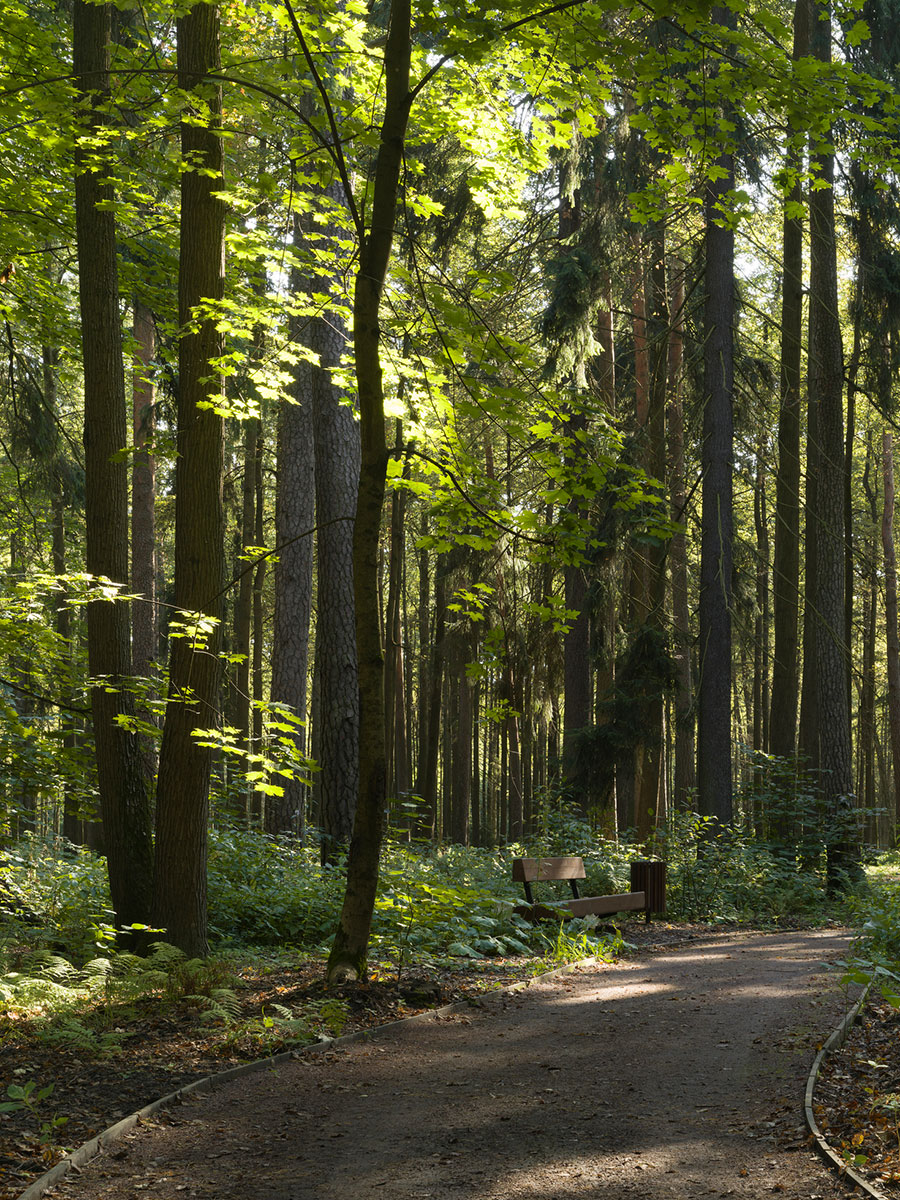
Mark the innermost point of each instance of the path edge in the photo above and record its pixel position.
(83, 1154)
(822, 1145)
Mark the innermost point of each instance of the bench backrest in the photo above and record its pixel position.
(536, 870)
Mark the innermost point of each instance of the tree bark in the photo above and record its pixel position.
(426, 783)
(242, 642)
(194, 670)
(650, 782)
(714, 690)
(461, 739)
(761, 623)
(398, 782)
(890, 614)
(826, 392)
(293, 576)
(786, 568)
(144, 634)
(336, 435)
(685, 773)
(349, 951)
(123, 799)
(576, 641)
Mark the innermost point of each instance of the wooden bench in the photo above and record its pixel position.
(540, 870)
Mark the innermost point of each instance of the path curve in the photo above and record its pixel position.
(678, 1075)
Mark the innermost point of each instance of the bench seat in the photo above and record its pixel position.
(570, 868)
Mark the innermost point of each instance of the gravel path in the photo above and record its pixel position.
(679, 1075)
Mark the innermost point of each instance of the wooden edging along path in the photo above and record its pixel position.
(208, 1083)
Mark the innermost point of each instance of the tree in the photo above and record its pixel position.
(294, 522)
(123, 799)
(786, 569)
(826, 366)
(194, 671)
(714, 692)
(348, 953)
(336, 442)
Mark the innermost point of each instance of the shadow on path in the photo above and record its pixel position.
(660, 1078)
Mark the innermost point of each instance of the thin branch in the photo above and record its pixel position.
(61, 704)
(515, 533)
(335, 149)
(508, 28)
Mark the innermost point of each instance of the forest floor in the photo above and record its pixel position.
(784, 1003)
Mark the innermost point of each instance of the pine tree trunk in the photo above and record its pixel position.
(685, 773)
(866, 735)
(808, 729)
(516, 810)
(71, 823)
(892, 634)
(144, 618)
(826, 392)
(258, 683)
(477, 812)
(144, 635)
(461, 745)
(865, 742)
(650, 791)
(337, 446)
(786, 569)
(429, 749)
(576, 641)
(240, 706)
(398, 782)
(714, 689)
(293, 575)
(761, 623)
(194, 670)
(123, 799)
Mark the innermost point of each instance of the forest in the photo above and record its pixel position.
(425, 427)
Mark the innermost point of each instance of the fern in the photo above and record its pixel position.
(220, 1005)
(50, 965)
(75, 1035)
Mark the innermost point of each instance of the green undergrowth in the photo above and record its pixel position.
(439, 909)
(875, 956)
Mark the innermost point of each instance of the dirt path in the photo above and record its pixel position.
(677, 1076)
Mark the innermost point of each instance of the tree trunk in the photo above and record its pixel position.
(866, 735)
(786, 569)
(123, 799)
(257, 680)
(761, 623)
(398, 781)
(461, 744)
(576, 641)
(240, 707)
(337, 447)
(72, 825)
(648, 784)
(429, 749)
(144, 618)
(808, 730)
(194, 671)
(294, 521)
(515, 807)
(349, 951)
(714, 691)
(144, 633)
(892, 634)
(685, 773)
(826, 392)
